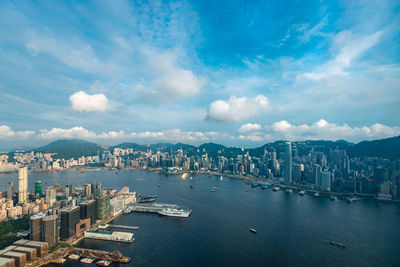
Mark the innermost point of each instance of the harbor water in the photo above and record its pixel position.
(292, 230)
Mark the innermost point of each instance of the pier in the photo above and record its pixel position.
(105, 226)
(154, 208)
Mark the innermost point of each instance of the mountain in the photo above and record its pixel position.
(134, 146)
(386, 148)
(71, 148)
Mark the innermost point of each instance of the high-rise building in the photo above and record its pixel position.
(10, 190)
(68, 190)
(287, 171)
(326, 180)
(51, 196)
(22, 184)
(38, 189)
(103, 208)
(87, 190)
(88, 210)
(70, 217)
(49, 230)
(98, 190)
(317, 174)
(36, 227)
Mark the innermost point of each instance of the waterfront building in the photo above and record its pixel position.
(22, 184)
(10, 190)
(87, 190)
(317, 174)
(98, 190)
(68, 190)
(49, 230)
(38, 189)
(36, 227)
(70, 217)
(326, 180)
(287, 171)
(88, 211)
(103, 208)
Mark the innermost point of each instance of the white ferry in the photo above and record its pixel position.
(108, 235)
(175, 212)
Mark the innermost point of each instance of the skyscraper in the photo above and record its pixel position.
(287, 171)
(49, 230)
(69, 218)
(38, 189)
(22, 184)
(10, 190)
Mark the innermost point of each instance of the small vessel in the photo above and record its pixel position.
(351, 199)
(127, 210)
(276, 188)
(191, 177)
(289, 191)
(255, 184)
(265, 186)
(221, 178)
(179, 212)
(103, 263)
(73, 257)
(213, 189)
(316, 194)
(87, 260)
(58, 260)
(337, 244)
(302, 193)
(253, 230)
(333, 197)
(143, 199)
(191, 186)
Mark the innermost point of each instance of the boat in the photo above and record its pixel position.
(191, 186)
(253, 230)
(213, 189)
(302, 193)
(276, 188)
(175, 212)
(103, 263)
(58, 260)
(144, 199)
(337, 244)
(221, 178)
(127, 210)
(110, 236)
(333, 197)
(265, 186)
(351, 199)
(73, 257)
(87, 260)
(255, 184)
(289, 191)
(316, 194)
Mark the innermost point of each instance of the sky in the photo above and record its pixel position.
(240, 73)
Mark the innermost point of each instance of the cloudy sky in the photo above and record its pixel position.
(234, 72)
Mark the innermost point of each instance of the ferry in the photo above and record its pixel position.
(73, 257)
(253, 230)
(289, 191)
(110, 236)
(103, 263)
(302, 193)
(179, 212)
(276, 188)
(87, 260)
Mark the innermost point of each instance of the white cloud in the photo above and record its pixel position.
(237, 109)
(78, 132)
(81, 101)
(249, 127)
(176, 135)
(329, 131)
(7, 133)
(346, 47)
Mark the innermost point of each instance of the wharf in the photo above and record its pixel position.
(123, 226)
(154, 208)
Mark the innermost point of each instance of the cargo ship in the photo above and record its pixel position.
(110, 236)
(179, 212)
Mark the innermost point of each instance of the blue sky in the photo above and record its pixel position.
(234, 72)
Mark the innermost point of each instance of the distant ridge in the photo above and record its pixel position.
(74, 148)
(70, 148)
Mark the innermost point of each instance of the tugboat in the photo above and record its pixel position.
(253, 230)
(103, 263)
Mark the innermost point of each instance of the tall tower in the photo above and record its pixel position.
(23, 184)
(10, 190)
(287, 171)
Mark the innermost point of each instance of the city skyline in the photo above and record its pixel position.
(193, 72)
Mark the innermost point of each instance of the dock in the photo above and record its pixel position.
(105, 226)
(153, 208)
